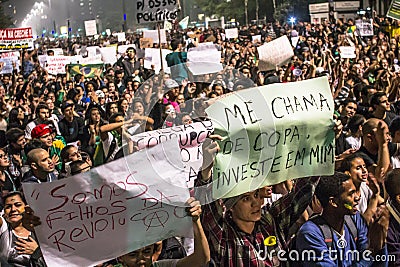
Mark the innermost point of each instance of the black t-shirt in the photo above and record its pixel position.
(71, 130)
(371, 159)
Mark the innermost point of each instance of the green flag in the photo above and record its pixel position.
(87, 70)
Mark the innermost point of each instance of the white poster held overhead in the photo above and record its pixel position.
(90, 27)
(6, 66)
(204, 59)
(108, 55)
(365, 26)
(347, 51)
(231, 33)
(137, 200)
(122, 48)
(153, 34)
(120, 36)
(275, 53)
(56, 64)
(191, 138)
(256, 38)
(152, 57)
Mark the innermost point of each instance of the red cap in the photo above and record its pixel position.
(40, 130)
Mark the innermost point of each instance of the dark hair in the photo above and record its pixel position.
(14, 134)
(114, 116)
(108, 107)
(65, 152)
(349, 100)
(39, 107)
(375, 98)
(13, 115)
(14, 193)
(394, 126)
(175, 44)
(346, 163)
(354, 122)
(76, 166)
(33, 144)
(330, 186)
(392, 183)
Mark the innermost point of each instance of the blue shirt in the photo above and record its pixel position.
(350, 253)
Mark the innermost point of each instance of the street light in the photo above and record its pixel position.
(292, 20)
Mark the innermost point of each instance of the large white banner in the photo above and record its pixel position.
(113, 209)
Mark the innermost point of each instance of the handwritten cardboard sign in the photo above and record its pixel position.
(146, 42)
(191, 138)
(274, 53)
(113, 209)
(153, 11)
(271, 134)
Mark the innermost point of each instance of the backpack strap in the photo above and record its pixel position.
(325, 229)
(349, 221)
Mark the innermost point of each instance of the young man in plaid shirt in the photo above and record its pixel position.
(237, 228)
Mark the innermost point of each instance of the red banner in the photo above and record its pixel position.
(15, 33)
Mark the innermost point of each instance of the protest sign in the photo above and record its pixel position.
(90, 27)
(8, 58)
(231, 33)
(16, 39)
(271, 134)
(92, 51)
(109, 55)
(294, 41)
(137, 200)
(256, 38)
(365, 27)
(204, 59)
(274, 53)
(122, 48)
(86, 60)
(57, 51)
(394, 10)
(56, 64)
(190, 137)
(152, 57)
(120, 36)
(347, 51)
(87, 70)
(6, 65)
(153, 11)
(146, 43)
(153, 34)
(167, 25)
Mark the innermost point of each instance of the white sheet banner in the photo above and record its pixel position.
(113, 209)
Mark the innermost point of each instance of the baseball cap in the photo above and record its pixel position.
(100, 93)
(169, 84)
(66, 105)
(40, 130)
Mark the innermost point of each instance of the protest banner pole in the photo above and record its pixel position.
(159, 42)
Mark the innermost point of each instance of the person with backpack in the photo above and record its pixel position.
(340, 236)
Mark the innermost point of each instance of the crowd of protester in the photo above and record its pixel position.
(56, 126)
